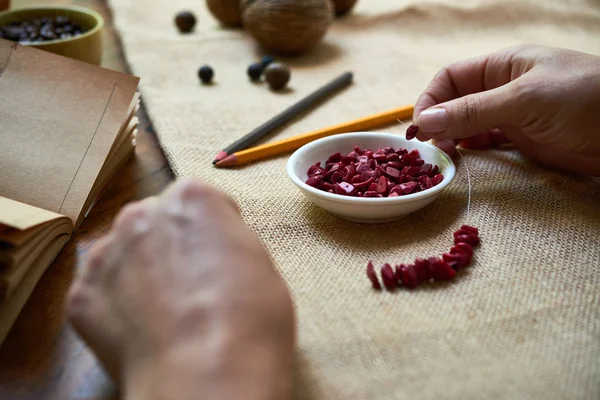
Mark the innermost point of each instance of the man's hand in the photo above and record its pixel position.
(181, 301)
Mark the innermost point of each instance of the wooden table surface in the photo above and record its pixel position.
(42, 358)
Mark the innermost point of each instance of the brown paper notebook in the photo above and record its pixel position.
(66, 127)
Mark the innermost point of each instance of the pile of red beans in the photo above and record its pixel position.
(386, 172)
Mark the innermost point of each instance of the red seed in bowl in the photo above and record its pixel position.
(387, 172)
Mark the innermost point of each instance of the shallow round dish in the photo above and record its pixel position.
(86, 47)
(361, 209)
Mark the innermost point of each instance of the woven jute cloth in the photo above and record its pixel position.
(523, 322)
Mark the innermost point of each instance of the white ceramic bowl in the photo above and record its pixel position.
(362, 209)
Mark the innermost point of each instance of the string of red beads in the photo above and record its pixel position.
(442, 268)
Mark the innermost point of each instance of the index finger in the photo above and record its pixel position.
(466, 77)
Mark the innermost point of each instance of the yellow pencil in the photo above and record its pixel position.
(293, 143)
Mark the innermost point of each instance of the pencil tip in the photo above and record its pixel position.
(220, 156)
(227, 161)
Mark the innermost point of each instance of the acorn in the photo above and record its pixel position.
(185, 21)
(287, 27)
(226, 11)
(277, 75)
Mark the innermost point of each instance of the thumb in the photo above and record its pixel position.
(469, 115)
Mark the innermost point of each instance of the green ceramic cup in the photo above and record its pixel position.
(86, 47)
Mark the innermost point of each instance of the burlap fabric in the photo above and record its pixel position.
(522, 323)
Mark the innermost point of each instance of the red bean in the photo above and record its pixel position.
(409, 160)
(315, 170)
(464, 248)
(379, 171)
(350, 172)
(392, 172)
(393, 157)
(398, 273)
(337, 189)
(434, 171)
(408, 187)
(362, 167)
(372, 275)
(394, 164)
(365, 184)
(409, 277)
(327, 186)
(388, 277)
(442, 271)
(379, 157)
(436, 180)
(348, 188)
(411, 132)
(337, 177)
(368, 153)
(461, 259)
(370, 193)
(382, 186)
(315, 181)
(470, 239)
(347, 160)
(367, 175)
(358, 151)
(422, 270)
(453, 264)
(396, 191)
(470, 229)
(336, 157)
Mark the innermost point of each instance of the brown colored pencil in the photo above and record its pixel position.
(287, 115)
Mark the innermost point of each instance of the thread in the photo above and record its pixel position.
(468, 183)
(468, 178)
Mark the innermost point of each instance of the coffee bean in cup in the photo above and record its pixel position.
(41, 30)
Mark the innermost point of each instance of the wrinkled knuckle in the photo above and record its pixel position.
(469, 110)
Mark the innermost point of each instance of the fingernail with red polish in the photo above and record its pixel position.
(434, 120)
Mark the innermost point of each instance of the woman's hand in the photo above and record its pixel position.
(544, 100)
(181, 301)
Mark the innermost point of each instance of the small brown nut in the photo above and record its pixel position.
(277, 75)
(185, 21)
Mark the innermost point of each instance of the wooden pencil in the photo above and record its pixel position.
(293, 143)
(285, 116)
